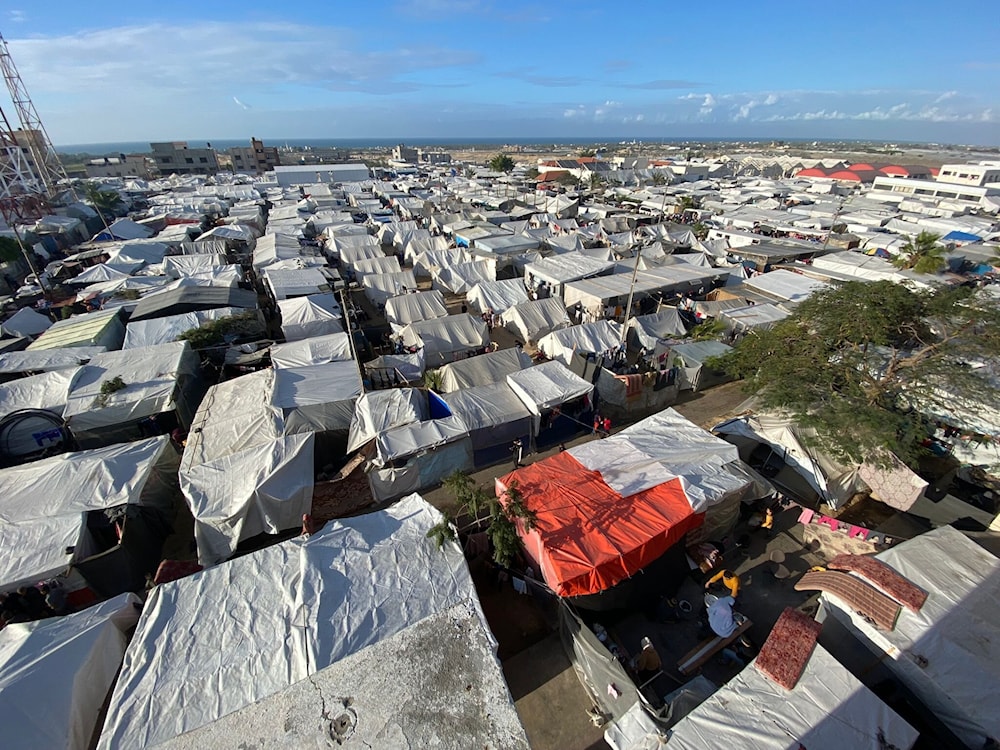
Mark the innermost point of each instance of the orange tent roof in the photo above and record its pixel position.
(811, 172)
(588, 537)
(895, 169)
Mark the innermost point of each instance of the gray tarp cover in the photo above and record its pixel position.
(482, 369)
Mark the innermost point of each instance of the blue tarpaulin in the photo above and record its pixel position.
(957, 236)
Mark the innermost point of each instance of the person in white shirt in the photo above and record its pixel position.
(721, 617)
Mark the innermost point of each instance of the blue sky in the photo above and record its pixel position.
(881, 69)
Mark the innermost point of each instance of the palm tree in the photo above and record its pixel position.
(922, 254)
(105, 201)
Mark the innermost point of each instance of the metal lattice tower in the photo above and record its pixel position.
(48, 168)
(22, 197)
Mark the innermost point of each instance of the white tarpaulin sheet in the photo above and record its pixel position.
(827, 708)
(461, 277)
(947, 653)
(354, 252)
(487, 407)
(44, 360)
(558, 269)
(786, 285)
(440, 338)
(179, 266)
(163, 330)
(754, 316)
(296, 282)
(382, 264)
(215, 642)
(482, 369)
(427, 263)
(309, 316)
(151, 376)
(409, 308)
(415, 437)
(589, 338)
(26, 322)
(56, 673)
(652, 330)
(531, 320)
(497, 295)
(378, 411)
(690, 358)
(42, 504)
(316, 350)
(48, 390)
(380, 287)
(546, 386)
(317, 398)
(663, 447)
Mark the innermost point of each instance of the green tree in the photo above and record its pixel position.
(923, 254)
(659, 178)
(709, 330)
(531, 173)
(10, 251)
(864, 364)
(567, 179)
(105, 201)
(501, 163)
(688, 202)
(700, 230)
(586, 153)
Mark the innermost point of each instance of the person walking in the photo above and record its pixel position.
(517, 452)
(606, 424)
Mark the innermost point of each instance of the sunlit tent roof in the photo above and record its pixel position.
(482, 369)
(608, 508)
(315, 350)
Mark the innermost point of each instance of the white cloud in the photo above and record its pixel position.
(17, 16)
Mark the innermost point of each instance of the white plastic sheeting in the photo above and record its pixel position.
(531, 320)
(296, 282)
(48, 390)
(461, 277)
(482, 369)
(317, 398)
(558, 269)
(163, 330)
(546, 386)
(409, 308)
(661, 448)
(493, 414)
(441, 338)
(46, 360)
(785, 285)
(316, 350)
(589, 338)
(754, 316)
(43, 504)
(151, 376)
(947, 653)
(380, 287)
(651, 331)
(354, 252)
(827, 708)
(690, 359)
(26, 322)
(497, 295)
(215, 642)
(378, 411)
(56, 673)
(428, 262)
(179, 266)
(310, 316)
(406, 440)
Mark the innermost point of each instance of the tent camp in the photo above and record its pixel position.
(54, 516)
(743, 319)
(379, 287)
(316, 350)
(445, 339)
(651, 332)
(461, 277)
(492, 367)
(46, 360)
(496, 295)
(828, 707)
(55, 674)
(613, 290)
(185, 299)
(494, 416)
(26, 322)
(689, 358)
(29, 432)
(946, 653)
(306, 604)
(317, 398)
(285, 283)
(531, 320)
(409, 308)
(590, 338)
(169, 328)
(156, 380)
(240, 474)
(547, 385)
(556, 270)
(608, 508)
(309, 316)
(102, 328)
(785, 286)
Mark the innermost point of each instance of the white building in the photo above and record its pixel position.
(896, 189)
(979, 175)
(310, 174)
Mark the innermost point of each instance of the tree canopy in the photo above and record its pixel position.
(868, 364)
(105, 201)
(501, 163)
(922, 254)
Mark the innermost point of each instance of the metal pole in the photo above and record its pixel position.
(631, 291)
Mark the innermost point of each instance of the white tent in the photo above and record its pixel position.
(427, 262)
(214, 643)
(496, 295)
(240, 475)
(273, 247)
(378, 411)
(947, 654)
(56, 673)
(461, 277)
(558, 269)
(827, 708)
(690, 358)
(531, 320)
(309, 316)
(156, 378)
(153, 331)
(493, 414)
(785, 285)
(297, 282)
(409, 308)
(179, 266)
(381, 286)
(47, 360)
(417, 455)
(47, 390)
(652, 331)
(590, 338)
(543, 387)
(317, 398)
(316, 350)
(443, 338)
(26, 322)
(43, 505)
(381, 264)
(492, 367)
(754, 316)
(351, 253)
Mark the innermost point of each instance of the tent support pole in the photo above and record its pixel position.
(631, 291)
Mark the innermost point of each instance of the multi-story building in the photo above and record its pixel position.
(896, 189)
(405, 153)
(255, 159)
(174, 157)
(433, 157)
(123, 165)
(978, 175)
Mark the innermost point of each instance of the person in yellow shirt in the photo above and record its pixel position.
(729, 579)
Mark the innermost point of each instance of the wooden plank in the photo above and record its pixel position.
(700, 654)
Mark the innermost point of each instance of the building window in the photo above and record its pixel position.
(165, 160)
(188, 160)
(203, 159)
